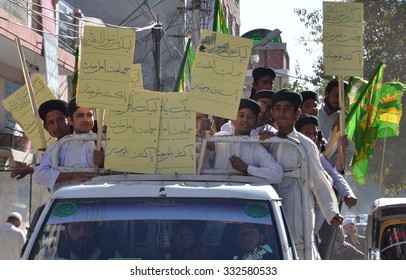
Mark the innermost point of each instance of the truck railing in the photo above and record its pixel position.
(207, 171)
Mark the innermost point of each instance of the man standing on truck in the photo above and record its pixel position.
(253, 158)
(56, 115)
(297, 193)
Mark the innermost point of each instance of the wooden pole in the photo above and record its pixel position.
(202, 153)
(100, 119)
(203, 147)
(31, 94)
(342, 111)
(342, 105)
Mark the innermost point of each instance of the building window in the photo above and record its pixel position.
(66, 26)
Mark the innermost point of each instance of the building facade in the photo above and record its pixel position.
(28, 21)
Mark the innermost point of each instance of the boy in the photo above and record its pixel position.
(298, 194)
(78, 154)
(253, 158)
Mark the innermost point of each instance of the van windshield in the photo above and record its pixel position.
(158, 229)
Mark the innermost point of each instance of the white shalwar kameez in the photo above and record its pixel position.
(298, 193)
(77, 154)
(260, 162)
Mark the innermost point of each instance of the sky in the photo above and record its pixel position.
(276, 14)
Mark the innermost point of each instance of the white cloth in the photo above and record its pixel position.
(229, 127)
(326, 121)
(314, 188)
(339, 184)
(12, 240)
(77, 154)
(260, 162)
(325, 124)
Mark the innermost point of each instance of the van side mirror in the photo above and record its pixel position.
(374, 254)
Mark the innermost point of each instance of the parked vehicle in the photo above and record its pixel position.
(386, 229)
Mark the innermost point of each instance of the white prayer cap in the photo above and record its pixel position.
(347, 222)
(16, 215)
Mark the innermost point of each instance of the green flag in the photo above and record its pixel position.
(362, 124)
(355, 87)
(219, 22)
(390, 110)
(182, 83)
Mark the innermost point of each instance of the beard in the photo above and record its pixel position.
(332, 107)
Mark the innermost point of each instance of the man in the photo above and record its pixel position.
(308, 126)
(12, 238)
(263, 98)
(253, 158)
(54, 114)
(329, 113)
(264, 122)
(309, 104)
(345, 251)
(263, 78)
(185, 243)
(249, 241)
(358, 241)
(84, 241)
(298, 193)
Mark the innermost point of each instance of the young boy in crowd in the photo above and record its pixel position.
(301, 194)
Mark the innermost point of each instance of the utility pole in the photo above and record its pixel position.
(196, 22)
(156, 35)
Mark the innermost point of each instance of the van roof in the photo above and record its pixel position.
(142, 185)
(388, 202)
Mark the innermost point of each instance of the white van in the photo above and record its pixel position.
(214, 215)
(137, 216)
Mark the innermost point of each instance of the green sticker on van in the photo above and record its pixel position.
(256, 210)
(65, 209)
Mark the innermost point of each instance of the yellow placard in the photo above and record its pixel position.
(132, 136)
(136, 78)
(19, 106)
(343, 38)
(177, 140)
(105, 67)
(219, 73)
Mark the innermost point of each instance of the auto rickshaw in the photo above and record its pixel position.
(386, 229)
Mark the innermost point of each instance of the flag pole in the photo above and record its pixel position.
(342, 111)
(383, 159)
(341, 103)
(31, 94)
(182, 65)
(100, 118)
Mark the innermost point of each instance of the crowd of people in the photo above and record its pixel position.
(311, 205)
